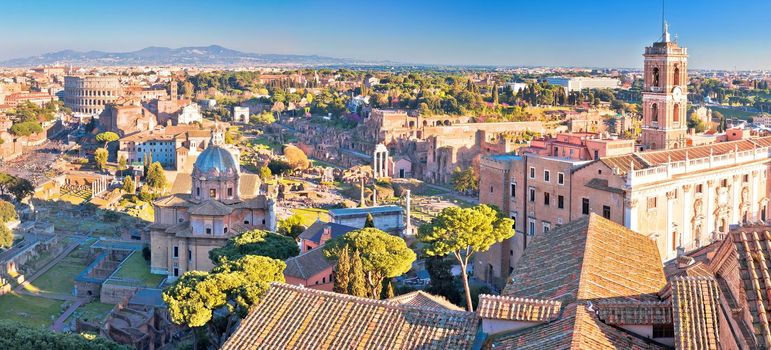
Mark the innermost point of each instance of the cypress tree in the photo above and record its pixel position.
(342, 271)
(357, 285)
(387, 290)
(370, 221)
(495, 94)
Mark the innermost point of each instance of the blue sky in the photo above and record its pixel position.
(591, 33)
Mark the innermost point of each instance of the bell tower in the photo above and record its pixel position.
(665, 95)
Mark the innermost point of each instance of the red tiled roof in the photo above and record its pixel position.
(293, 317)
(625, 313)
(589, 258)
(423, 299)
(695, 303)
(517, 309)
(577, 328)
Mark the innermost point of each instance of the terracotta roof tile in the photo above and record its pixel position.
(307, 265)
(517, 309)
(423, 299)
(589, 258)
(293, 317)
(626, 313)
(577, 328)
(211, 207)
(695, 308)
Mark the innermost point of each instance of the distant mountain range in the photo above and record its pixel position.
(184, 56)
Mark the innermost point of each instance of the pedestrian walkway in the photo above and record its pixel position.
(59, 323)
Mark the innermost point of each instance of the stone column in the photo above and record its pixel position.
(630, 213)
(710, 217)
(735, 201)
(686, 238)
(670, 227)
(754, 189)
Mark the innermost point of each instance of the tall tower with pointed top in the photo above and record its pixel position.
(665, 94)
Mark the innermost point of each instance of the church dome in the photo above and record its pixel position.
(216, 157)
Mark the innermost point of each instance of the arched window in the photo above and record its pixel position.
(655, 76)
(654, 112)
(676, 113)
(677, 75)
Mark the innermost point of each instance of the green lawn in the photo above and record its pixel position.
(29, 310)
(136, 267)
(92, 312)
(61, 278)
(310, 215)
(733, 113)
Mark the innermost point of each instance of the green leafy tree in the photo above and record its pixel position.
(382, 255)
(256, 242)
(278, 166)
(155, 177)
(342, 271)
(264, 118)
(128, 185)
(25, 128)
(296, 157)
(122, 163)
(464, 181)
(100, 158)
(694, 122)
(357, 285)
(7, 212)
(463, 232)
(17, 336)
(236, 285)
(370, 222)
(107, 137)
(265, 173)
(442, 281)
(6, 236)
(291, 226)
(18, 187)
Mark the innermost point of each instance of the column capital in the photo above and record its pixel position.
(687, 188)
(710, 183)
(671, 194)
(630, 202)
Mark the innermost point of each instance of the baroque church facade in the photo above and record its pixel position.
(222, 203)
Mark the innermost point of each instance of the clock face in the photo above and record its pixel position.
(677, 92)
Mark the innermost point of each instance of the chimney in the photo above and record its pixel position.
(325, 235)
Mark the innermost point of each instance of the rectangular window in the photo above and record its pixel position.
(546, 176)
(531, 228)
(208, 230)
(724, 183)
(606, 212)
(546, 198)
(532, 194)
(560, 178)
(189, 255)
(513, 190)
(698, 188)
(176, 271)
(585, 206)
(230, 192)
(532, 172)
(560, 202)
(652, 203)
(176, 252)
(546, 226)
(746, 178)
(491, 189)
(663, 331)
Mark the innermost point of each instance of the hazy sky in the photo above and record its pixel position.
(591, 33)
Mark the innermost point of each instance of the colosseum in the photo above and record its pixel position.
(90, 94)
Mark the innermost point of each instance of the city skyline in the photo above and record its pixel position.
(554, 33)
